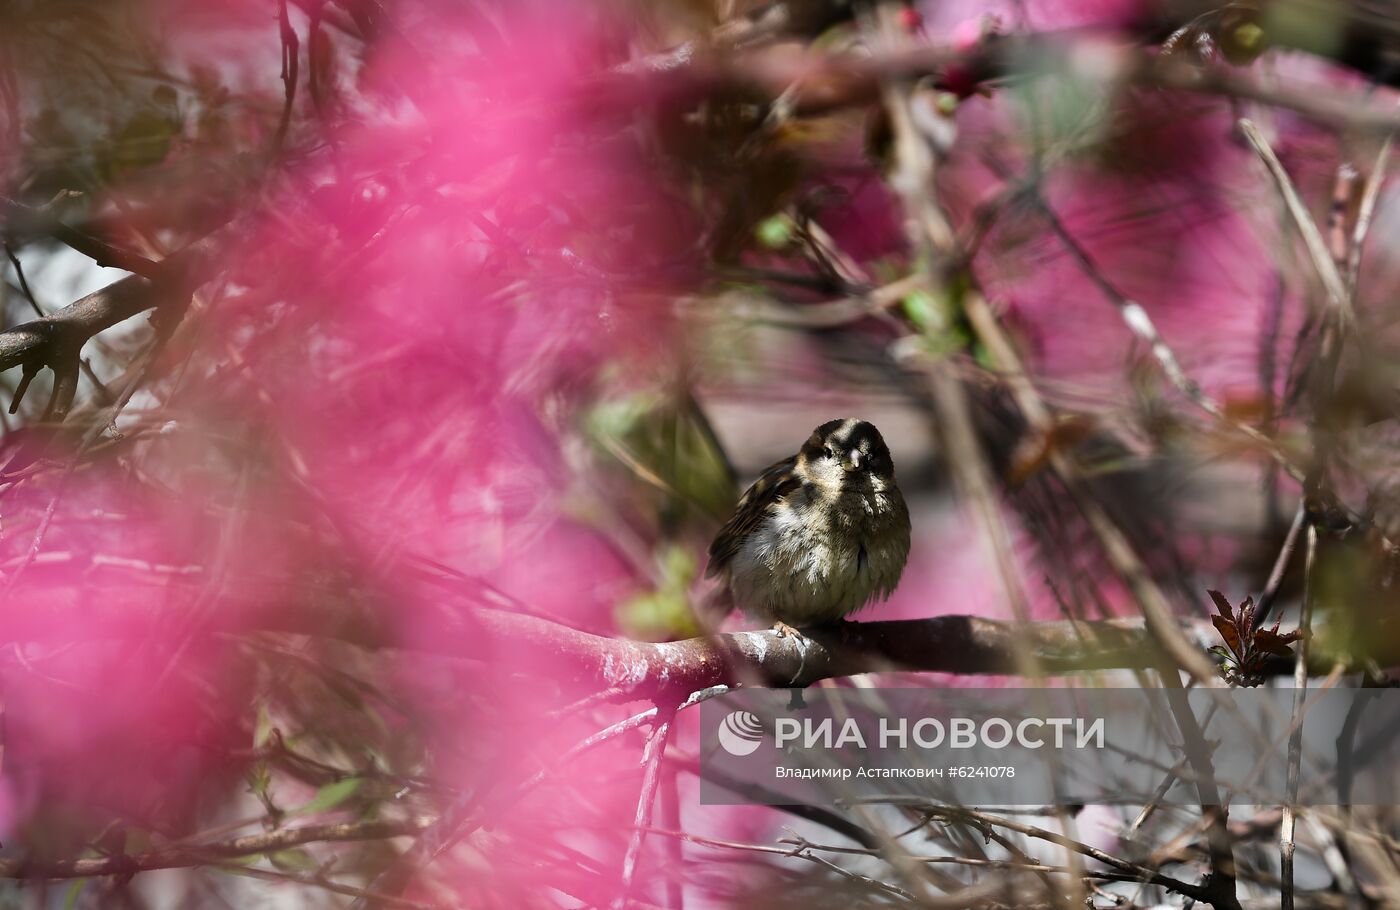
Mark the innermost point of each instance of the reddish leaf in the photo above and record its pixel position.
(1274, 642)
(1222, 605)
(1227, 631)
(1034, 451)
(1250, 409)
(1245, 620)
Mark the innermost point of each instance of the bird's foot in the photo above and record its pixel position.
(783, 630)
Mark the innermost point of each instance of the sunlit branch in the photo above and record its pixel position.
(965, 645)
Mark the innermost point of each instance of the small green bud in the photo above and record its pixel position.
(775, 232)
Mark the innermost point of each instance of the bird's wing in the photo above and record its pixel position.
(770, 488)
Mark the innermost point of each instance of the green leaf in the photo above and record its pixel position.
(617, 417)
(663, 613)
(678, 568)
(259, 778)
(332, 795)
(75, 890)
(296, 860)
(1229, 669)
(262, 732)
(653, 436)
(657, 616)
(1249, 35)
(775, 232)
(142, 141)
(984, 357)
(923, 310)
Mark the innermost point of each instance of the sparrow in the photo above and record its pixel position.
(818, 535)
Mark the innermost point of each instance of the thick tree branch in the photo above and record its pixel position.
(967, 645)
(964, 645)
(68, 328)
(24, 219)
(56, 340)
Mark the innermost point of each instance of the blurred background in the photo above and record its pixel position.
(388, 312)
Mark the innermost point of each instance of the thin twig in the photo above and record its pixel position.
(108, 255)
(646, 801)
(1156, 610)
(467, 812)
(318, 880)
(932, 239)
(290, 68)
(37, 542)
(828, 314)
(1274, 583)
(675, 850)
(1221, 884)
(1312, 238)
(24, 282)
(205, 854)
(1365, 213)
(755, 793)
(1137, 320)
(1295, 737)
(982, 819)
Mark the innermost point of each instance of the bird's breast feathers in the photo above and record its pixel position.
(815, 557)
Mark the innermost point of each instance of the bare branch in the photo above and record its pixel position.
(1295, 738)
(967, 645)
(56, 340)
(651, 776)
(212, 853)
(1322, 260)
(815, 84)
(1137, 320)
(16, 215)
(290, 67)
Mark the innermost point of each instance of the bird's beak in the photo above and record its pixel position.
(853, 464)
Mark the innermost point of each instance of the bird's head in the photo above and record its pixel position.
(846, 453)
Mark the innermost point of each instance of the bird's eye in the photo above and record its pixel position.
(827, 453)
